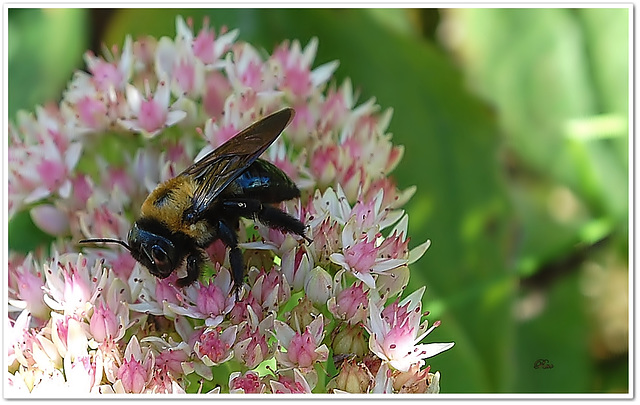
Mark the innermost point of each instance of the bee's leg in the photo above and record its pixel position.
(228, 236)
(271, 216)
(276, 218)
(195, 260)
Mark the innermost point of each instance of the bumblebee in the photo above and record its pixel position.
(204, 203)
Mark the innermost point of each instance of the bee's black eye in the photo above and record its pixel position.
(159, 256)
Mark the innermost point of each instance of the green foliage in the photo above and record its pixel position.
(44, 46)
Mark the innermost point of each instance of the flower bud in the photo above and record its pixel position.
(412, 381)
(349, 339)
(304, 313)
(103, 323)
(353, 377)
(318, 285)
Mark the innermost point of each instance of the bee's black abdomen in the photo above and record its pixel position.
(265, 182)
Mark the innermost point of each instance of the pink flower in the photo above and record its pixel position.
(205, 45)
(271, 289)
(111, 73)
(163, 382)
(136, 370)
(245, 308)
(303, 348)
(177, 63)
(42, 158)
(252, 347)
(214, 346)
(294, 65)
(396, 331)
(170, 357)
(361, 259)
(211, 302)
(103, 216)
(25, 288)
(350, 304)
(248, 71)
(133, 375)
(295, 267)
(72, 285)
(361, 256)
(151, 114)
(35, 350)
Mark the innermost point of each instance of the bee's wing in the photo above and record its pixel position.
(215, 171)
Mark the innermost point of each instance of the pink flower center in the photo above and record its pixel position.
(256, 349)
(106, 74)
(351, 300)
(323, 157)
(213, 347)
(361, 256)
(89, 110)
(217, 91)
(184, 74)
(293, 386)
(250, 383)
(172, 360)
(399, 340)
(151, 116)
(298, 80)
(52, 173)
(252, 75)
(203, 46)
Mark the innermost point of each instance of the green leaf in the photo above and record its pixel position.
(542, 338)
(25, 236)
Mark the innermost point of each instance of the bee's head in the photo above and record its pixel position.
(155, 252)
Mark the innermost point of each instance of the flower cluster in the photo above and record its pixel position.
(98, 322)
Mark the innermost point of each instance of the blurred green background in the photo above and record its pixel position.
(515, 124)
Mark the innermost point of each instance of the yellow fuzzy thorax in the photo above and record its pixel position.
(168, 202)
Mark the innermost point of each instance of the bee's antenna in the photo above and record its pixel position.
(106, 240)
